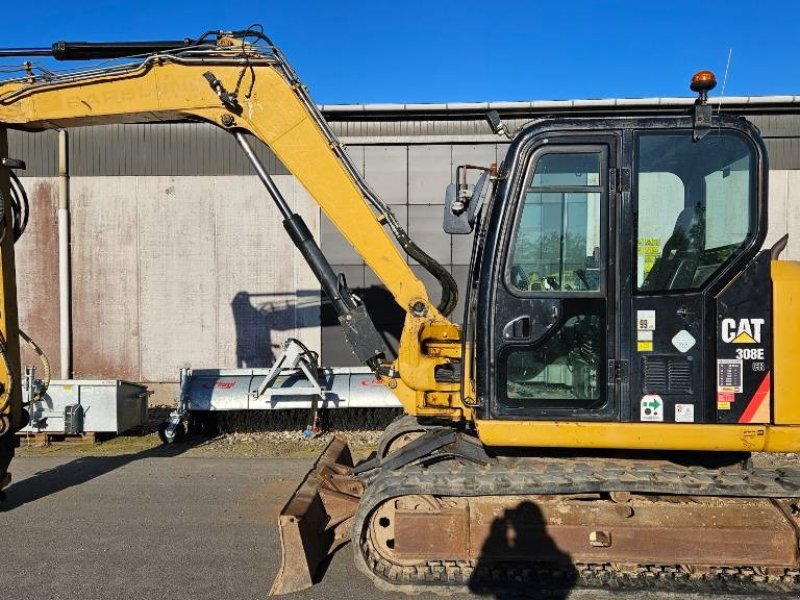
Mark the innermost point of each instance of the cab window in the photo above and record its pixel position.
(557, 243)
(694, 207)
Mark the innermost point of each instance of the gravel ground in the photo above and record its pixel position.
(243, 434)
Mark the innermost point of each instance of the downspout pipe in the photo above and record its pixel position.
(64, 275)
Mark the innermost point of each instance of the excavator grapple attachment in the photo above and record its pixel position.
(317, 518)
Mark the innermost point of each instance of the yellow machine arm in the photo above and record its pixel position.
(11, 410)
(251, 88)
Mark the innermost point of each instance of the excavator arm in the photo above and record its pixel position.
(250, 88)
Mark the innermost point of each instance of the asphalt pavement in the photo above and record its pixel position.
(150, 527)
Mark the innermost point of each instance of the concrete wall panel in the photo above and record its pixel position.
(105, 278)
(778, 207)
(180, 271)
(177, 274)
(792, 215)
(356, 154)
(428, 173)
(425, 227)
(462, 248)
(502, 150)
(386, 170)
(179, 265)
(37, 272)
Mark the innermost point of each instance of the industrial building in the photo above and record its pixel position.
(178, 258)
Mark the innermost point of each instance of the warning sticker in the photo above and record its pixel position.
(729, 375)
(651, 408)
(649, 249)
(644, 346)
(684, 413)
(724, 400)
(726, 397)
(646, 320)
(683, 341)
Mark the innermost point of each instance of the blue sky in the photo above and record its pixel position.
(416, 51)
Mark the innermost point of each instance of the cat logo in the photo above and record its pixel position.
(745, 331)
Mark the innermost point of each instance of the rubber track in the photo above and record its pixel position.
(514, 478)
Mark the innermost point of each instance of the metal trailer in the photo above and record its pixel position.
(295, 381)
(75, 406)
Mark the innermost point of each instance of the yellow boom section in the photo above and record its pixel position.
(273, 113)
(168, 88)
(11, 416)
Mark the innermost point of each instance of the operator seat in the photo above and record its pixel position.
(676, 267)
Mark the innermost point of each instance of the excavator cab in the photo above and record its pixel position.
(606, 246)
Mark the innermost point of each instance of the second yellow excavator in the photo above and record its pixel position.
(627, 341)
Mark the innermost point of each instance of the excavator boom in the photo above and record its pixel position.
(249, 89)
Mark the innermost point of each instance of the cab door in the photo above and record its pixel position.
(695, 225)
(552, 330)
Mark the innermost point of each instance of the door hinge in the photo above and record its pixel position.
(618, 370)
(619, 180)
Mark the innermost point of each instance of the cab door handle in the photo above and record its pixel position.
(518, 329)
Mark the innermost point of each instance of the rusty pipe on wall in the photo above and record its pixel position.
(64, 274)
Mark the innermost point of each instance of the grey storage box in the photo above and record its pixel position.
(93, 406)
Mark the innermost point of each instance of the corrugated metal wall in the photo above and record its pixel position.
(149, 149)
(179, 258)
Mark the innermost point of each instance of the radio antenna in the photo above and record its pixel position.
(724, 80)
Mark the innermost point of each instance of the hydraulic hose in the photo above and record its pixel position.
(47, 372)
(19, 208)
(449, 297)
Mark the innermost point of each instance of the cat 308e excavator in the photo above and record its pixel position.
(626, 338)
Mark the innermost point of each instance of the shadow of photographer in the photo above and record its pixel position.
(519, 559)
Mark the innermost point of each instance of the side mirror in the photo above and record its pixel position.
(463, 202)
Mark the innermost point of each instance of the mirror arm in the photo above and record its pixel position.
(462, 206)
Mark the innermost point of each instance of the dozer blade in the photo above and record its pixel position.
(317, 518)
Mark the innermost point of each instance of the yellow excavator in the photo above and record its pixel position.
(627, 342)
